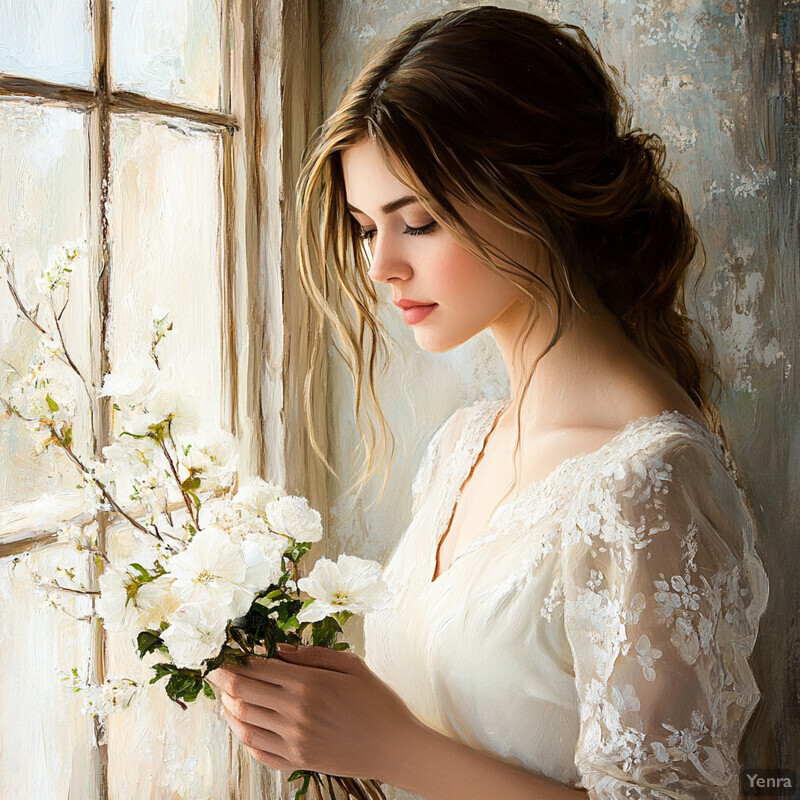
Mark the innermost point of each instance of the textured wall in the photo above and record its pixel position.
(718, 79)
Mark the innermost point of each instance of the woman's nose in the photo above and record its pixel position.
(388, 261)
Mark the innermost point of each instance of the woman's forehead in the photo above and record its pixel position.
(369, 183)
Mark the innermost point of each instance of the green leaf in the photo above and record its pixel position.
(341, 646)
(324, 632)
(51, 404)
(184, 685)
(227, 655)
(208, 690)
(288, 624)
(146, 576)
(162, 670)
(305, 777)
(137, 435)
(191, 484)
(147, 641)
(195, 498)
(343, 616)
(68, 436)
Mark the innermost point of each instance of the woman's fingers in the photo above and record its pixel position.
(259, 742)
(251, 690)
(271, 760)
(321, 658)
(250, 714)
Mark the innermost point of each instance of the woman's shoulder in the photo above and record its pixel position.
(665, 472)
(646, 444)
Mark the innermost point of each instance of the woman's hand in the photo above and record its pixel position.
(315, 709)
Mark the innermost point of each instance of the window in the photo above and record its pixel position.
(128, 125)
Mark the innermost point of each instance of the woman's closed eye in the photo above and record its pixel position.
(367, 234)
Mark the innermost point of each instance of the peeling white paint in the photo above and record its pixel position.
(753, 184)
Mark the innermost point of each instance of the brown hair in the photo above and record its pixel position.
(519, 118)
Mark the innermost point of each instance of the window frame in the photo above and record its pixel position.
(32, 523)
(274, 79)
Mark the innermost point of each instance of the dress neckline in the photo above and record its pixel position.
(488, 412)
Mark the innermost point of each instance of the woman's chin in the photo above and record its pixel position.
(433, 343)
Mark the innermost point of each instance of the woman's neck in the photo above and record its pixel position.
(594, 376)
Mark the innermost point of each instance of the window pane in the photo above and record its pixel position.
(170, 51)
(47, 39)
(43, 156)
(165, 239)
(45, 740)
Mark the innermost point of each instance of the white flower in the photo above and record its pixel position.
(131, 381)
(236, 521)
(161, 322)
(292, 516)
(132, 463)
(116, 693)
(100, 700)
(115, 604)
(212, 572)
(647, 656)
(624, 698)
(170, 401)
(214, 457)
(133, 457)
(669, 602)
(638, 604)
(50, 345)
(155, 601)
(61, 264)
(685, 640)
(256, 495)
(660, 752)
(596, 577)
(351, 584)
(263, 558)
(139, 424)
(195, 634)
(82, 537)
(92, 497)
(42, 395)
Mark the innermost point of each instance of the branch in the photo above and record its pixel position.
(69, 361)
(174, 471)
(58, 587)
(21, 307)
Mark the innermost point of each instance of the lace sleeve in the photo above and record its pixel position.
(663, 594)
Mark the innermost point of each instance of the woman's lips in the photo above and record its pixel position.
(415, 314)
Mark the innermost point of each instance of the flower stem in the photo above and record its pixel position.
(58, 587)
(174, 471)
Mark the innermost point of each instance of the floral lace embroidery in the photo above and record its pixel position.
(631, 622)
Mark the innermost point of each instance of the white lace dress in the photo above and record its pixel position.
(598, 630)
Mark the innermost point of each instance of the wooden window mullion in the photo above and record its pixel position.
(100, 165)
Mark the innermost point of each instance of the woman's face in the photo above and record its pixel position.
(421, 261)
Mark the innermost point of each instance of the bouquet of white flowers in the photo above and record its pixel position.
(217, 576)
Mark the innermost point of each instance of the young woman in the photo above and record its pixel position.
(577, 594)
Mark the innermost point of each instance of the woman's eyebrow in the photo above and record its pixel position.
(388, 208)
